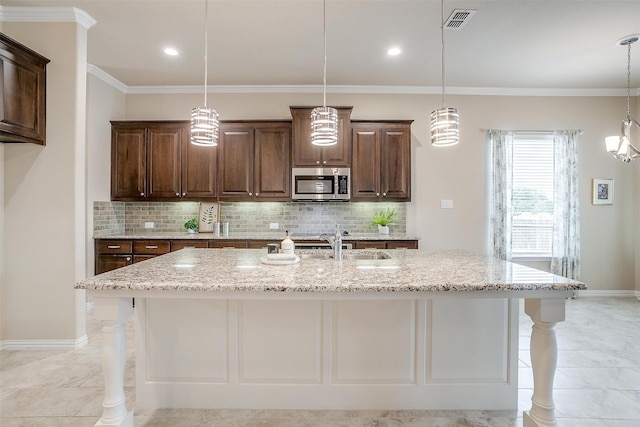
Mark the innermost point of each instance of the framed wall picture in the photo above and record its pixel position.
(602, 191)
(207, 217)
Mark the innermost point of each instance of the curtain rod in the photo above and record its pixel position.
(533, 131)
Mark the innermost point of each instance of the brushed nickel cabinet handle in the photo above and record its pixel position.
(142, 194)
(128, 258)
(152, 247)
(377, 194)
(113, 246)
(177, 194)
(257, 194)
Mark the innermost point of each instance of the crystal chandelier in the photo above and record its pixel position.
(324, 120)
(204, 120)
(444, 121)
(620, 146)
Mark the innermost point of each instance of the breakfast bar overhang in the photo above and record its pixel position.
(217, 328)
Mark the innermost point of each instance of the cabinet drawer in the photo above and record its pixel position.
(176, 245)
(228, 244)
(369, 244)
(114, 246)
(399, 244)
(150, 247)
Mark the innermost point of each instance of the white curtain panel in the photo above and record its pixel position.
(500, 193)
(565, 256)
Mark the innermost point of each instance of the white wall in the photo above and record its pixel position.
(460, 173)
(44, 201)
(104, 103)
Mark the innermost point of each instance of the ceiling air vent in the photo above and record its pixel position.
(458, 19)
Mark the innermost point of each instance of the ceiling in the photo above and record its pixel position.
(531, 44)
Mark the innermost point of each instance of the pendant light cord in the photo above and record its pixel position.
(628, 80)
(324, 31)
(442, 48)
(206, 38)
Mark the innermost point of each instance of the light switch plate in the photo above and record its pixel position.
(274, 225)
(446, 204)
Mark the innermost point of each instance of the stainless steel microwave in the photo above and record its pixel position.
(321, 184)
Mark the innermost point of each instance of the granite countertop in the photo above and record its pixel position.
(241, 270)
(277, 236)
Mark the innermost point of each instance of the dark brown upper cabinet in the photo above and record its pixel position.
(23, 78)
(156, 161)
(381, 168)
(305, 154)
(254, 161)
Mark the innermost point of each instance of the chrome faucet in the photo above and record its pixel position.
(335, 242)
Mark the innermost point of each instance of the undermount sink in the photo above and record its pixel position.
(346, 255)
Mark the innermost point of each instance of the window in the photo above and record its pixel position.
(532, 195)
(534, 207)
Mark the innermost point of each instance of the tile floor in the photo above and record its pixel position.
(597, 383)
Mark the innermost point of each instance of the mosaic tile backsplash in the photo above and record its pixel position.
(245, 217)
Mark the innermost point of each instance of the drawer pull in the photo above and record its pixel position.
(152, 246)
(113, 247)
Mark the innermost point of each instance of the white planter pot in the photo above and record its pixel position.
(191, 231)
(383, 229)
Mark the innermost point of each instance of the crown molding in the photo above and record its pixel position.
(107, 78)
(46, 14)
(353, 89)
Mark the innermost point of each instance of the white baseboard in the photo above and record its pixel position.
(44, 344)
(611, 293)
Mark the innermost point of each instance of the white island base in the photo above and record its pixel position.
(328, 351)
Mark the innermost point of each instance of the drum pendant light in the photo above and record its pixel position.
(204, 120)
(324, 120)
(445, 121)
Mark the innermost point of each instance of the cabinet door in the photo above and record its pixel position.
(340, 154)
(303, 152)
(163, 157)
(235, 164)
(395, 163)
(365, 171)
(306, 154)
(128, 162)
(106, 262)
(198, 169)
(22, 84)
(272, 168)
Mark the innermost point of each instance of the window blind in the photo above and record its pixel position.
(532, 196)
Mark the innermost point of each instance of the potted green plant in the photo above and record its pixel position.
(191, 225)
(383, 219)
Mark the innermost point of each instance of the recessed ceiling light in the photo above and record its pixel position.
(394, 51)
(170, 51)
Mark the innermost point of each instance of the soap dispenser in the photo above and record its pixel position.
(287, 245)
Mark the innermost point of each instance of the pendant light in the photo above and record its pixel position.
(324, 120)
(204, 120)
(620, 146)
(444, 121)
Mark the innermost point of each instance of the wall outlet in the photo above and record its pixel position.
(274, 226)
(149, 224)
(446, 204)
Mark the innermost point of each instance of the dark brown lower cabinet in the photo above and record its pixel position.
(115, 253)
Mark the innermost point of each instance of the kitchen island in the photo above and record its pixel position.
(217, 328)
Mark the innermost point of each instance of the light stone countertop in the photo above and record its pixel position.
(276, 236)
(241, 270)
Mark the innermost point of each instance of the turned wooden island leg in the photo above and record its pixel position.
(113, 312)
(545, 313)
